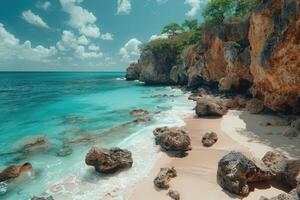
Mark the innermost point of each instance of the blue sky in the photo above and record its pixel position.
(83, 35)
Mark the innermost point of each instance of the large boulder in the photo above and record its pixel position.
(255, 106)
(235, 171)
(109, 160)
(285, 170)
(172, 139)
(209, 139)
(14, 171)
(164, 176)
(210, 107)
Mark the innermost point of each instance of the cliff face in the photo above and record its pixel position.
(274, 37)
(259, 55)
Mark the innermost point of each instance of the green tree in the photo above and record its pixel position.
(190, 24)
(244, 7)
(217, 10)
(172, 29)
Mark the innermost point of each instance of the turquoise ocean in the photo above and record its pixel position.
(67, 107)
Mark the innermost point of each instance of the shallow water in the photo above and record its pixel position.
(62, 106)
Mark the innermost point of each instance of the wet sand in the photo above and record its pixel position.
(196, 178)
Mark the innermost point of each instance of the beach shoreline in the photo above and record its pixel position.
(197, 171)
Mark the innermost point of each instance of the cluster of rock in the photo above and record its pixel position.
(236, 171)
(257, 56)
(162, 180)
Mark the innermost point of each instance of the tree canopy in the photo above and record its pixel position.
(172, 29)
(190, 24)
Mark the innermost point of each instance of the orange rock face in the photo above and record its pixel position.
(275, 56)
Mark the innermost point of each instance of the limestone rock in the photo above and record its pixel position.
(14, 171)
(235, 171)
(210, 107)
(109, 160)
(164, 176)
(172, 139)
(174, 194)
(284, 169)
(255, 106)
(209, 139)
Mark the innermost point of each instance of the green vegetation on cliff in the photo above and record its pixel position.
(189, 32)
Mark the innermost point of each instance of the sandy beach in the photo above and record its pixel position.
(237, 130)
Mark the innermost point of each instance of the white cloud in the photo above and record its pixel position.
(107, 36)
(93, 47)
(161, 36)
(130, 51)
(71, 45)
(83, 40)
(124, 7)
(34, 19)
(44, 6)
(195, 6)
(12, 50)
(80, 18)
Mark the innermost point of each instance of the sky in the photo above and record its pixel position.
(83, 35)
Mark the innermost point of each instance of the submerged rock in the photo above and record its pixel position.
(42, 198)
(142, 120)
(296, 124)
(164, 176)
(82, 138)
(109, 160)
(14, 171)
(276, 122)
(209, 139)
(174, 194)
(255, 106)
(210, 107)
(65, 151)
(172, 139)
(139, 112)
(235, 171)
(33, 145)
(290, 132)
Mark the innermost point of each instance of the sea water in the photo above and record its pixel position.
(64, 106)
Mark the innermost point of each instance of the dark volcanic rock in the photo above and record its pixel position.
(235, 171)
(284, 169)
(209, 139)
(14, 171)
(174, 194)
(210, 107)
(172, 139)
(164, 176)
(108, 160)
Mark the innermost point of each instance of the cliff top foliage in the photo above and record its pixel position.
(189, 32)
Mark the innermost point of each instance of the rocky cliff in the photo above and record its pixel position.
(259, 55)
